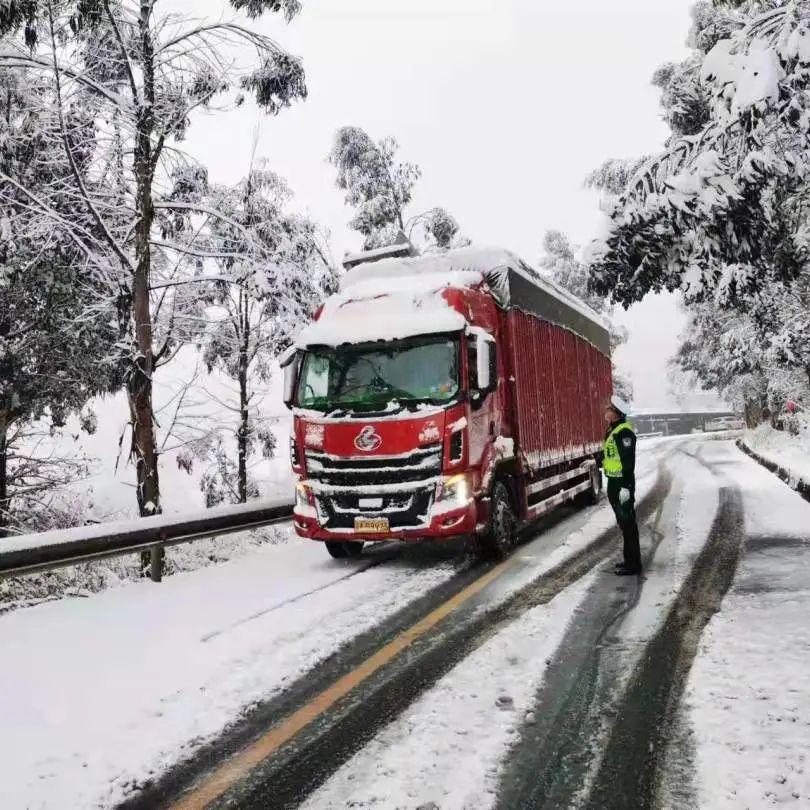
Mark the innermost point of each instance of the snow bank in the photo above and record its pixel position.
(784, 449)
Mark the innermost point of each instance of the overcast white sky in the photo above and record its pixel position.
(505, 104)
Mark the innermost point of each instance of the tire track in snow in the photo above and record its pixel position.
(547, 766)
(586, 690)
(631, 767)
(303, 763)
(393, 553)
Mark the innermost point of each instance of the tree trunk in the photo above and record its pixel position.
(139, 379)
(244, 426)
(753, 414)
(241, 437)
(5, 501)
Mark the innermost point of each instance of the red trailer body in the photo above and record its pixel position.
(562, 383)
(520, 371)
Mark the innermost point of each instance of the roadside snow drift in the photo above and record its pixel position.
(98, 695)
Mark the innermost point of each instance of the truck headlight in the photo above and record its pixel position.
(455, 489)
(302, 495)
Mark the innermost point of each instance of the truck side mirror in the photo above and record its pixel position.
(289, 362)
(483, 357)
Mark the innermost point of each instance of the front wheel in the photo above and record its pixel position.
(502, 531)
(341, 549)
(591, 496)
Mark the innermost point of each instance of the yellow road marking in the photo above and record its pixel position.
(217, 783)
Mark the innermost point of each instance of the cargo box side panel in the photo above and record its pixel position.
(561, 385)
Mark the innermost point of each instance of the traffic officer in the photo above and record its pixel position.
(619, 464)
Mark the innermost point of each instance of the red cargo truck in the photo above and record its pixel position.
(455, 394)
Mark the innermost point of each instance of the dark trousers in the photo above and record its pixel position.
(626, 518)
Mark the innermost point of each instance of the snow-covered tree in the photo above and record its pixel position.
(43, 464)
(720, 352)
(722, 214)
(275, 272)
(125, 81)
(722, 211)
(562, 266)
(380, 188)
(56, 324)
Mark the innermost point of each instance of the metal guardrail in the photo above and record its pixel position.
(31, 553)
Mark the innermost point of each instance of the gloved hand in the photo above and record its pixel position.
(624, 496)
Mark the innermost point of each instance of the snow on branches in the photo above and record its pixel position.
(271, 272)
(723, 210)
(721, 215)
(121, 83)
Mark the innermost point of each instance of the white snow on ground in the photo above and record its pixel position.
(748, 696)
(98, 694)
(425, 755)
(447, 747)
(103, 693)
(782, 448)
(685, 523)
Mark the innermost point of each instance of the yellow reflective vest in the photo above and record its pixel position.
(611, 461)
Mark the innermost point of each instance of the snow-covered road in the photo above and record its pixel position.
(98, 695)
(576, 703)
(545, 672)
(748, 696)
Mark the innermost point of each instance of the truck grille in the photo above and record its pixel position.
(353, 471)
(354, 480)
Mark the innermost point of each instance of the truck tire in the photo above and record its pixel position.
(591, 496)
(341, 549)
(500, 536)
(595, 491)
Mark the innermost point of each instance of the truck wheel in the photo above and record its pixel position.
(341, 549)
(591, 496)
(502, 524)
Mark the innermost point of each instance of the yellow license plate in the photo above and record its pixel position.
(371, 525)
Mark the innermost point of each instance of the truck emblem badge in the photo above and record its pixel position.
(368, 440)
(429, 433)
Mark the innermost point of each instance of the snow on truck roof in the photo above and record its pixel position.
(397, 298)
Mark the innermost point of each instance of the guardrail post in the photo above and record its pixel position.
(156, 556)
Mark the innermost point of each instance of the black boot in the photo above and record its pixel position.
(627, 571)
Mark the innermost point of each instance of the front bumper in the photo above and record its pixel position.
(442, 525)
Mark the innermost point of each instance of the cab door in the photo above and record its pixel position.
(484, 409)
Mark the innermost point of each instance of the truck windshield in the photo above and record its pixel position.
(369, 377)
